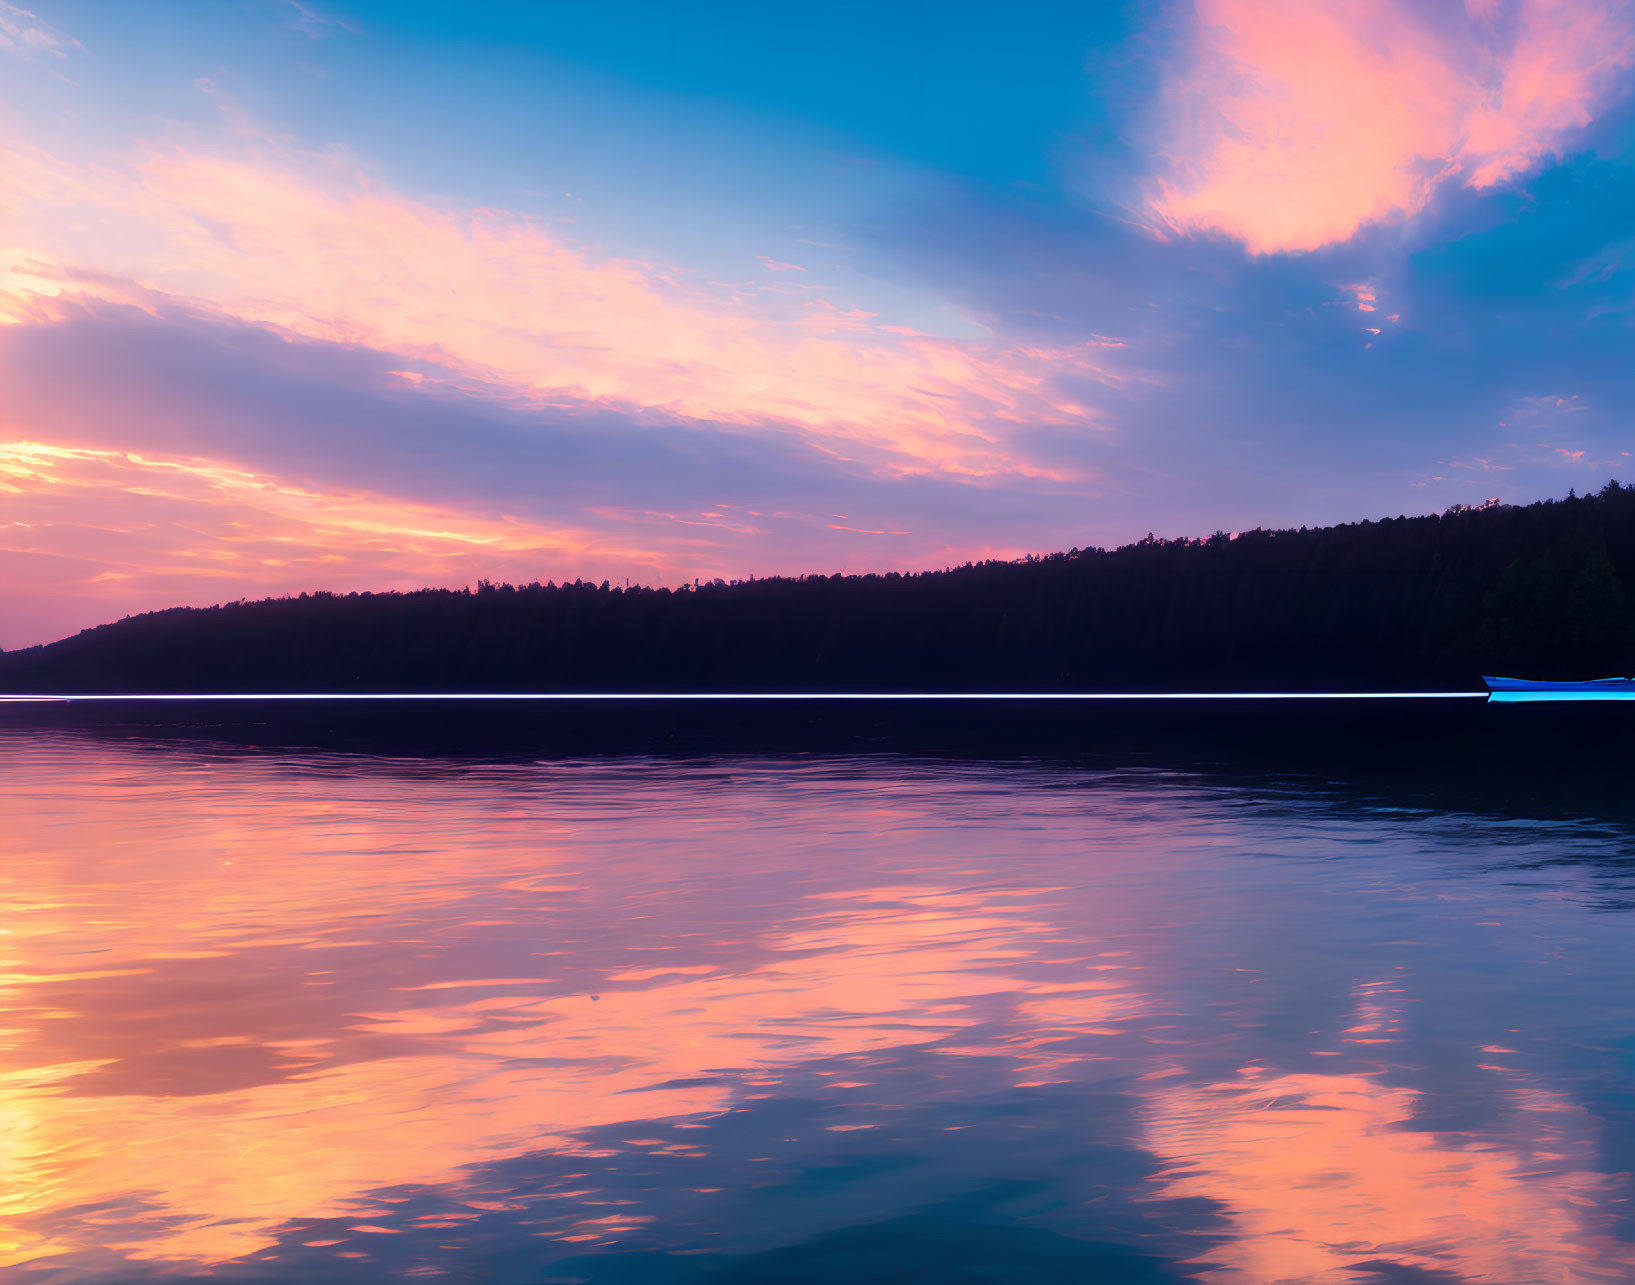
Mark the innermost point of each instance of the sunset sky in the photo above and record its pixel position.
(382, 295)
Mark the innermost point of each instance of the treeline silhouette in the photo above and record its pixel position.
(1405, 603)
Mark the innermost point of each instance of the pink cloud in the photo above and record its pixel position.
(476, 301)
(86, 534)
(1293, 123)
(1564, 57)
(25, 35)
(318, 247)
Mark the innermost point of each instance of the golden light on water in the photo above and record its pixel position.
(246, 996)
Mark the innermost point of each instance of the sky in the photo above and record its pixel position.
(381, 295)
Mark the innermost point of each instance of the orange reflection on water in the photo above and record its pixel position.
(240, 995)
(244, 1074)
(1322, 1173)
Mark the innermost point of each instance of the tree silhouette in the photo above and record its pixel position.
(1428, 602)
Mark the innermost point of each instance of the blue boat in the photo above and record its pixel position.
(1524, 689)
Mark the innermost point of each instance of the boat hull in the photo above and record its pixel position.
(1541, 685)
(1521, 689)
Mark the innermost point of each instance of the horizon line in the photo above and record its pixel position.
(53, 697)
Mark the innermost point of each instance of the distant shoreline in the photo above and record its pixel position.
(1404, 605)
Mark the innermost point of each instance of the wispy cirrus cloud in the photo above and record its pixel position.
(1291, 124)
(318, 246)
(26, 35)
(159, 456)
(310, 21)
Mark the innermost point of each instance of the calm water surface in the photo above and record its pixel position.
(309, 1017)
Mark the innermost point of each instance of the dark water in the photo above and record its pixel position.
(284, 1015)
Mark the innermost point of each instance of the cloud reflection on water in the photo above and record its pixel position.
(265, 1014)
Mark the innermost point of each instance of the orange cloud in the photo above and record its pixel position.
(90, 533)
(87, 533)
(316, 246)
(1296, 122)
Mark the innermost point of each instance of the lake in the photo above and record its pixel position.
(294, 1014)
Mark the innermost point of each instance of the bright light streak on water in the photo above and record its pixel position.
(288, 1016)
(28, 698)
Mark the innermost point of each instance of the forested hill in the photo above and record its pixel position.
(1413, 603)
